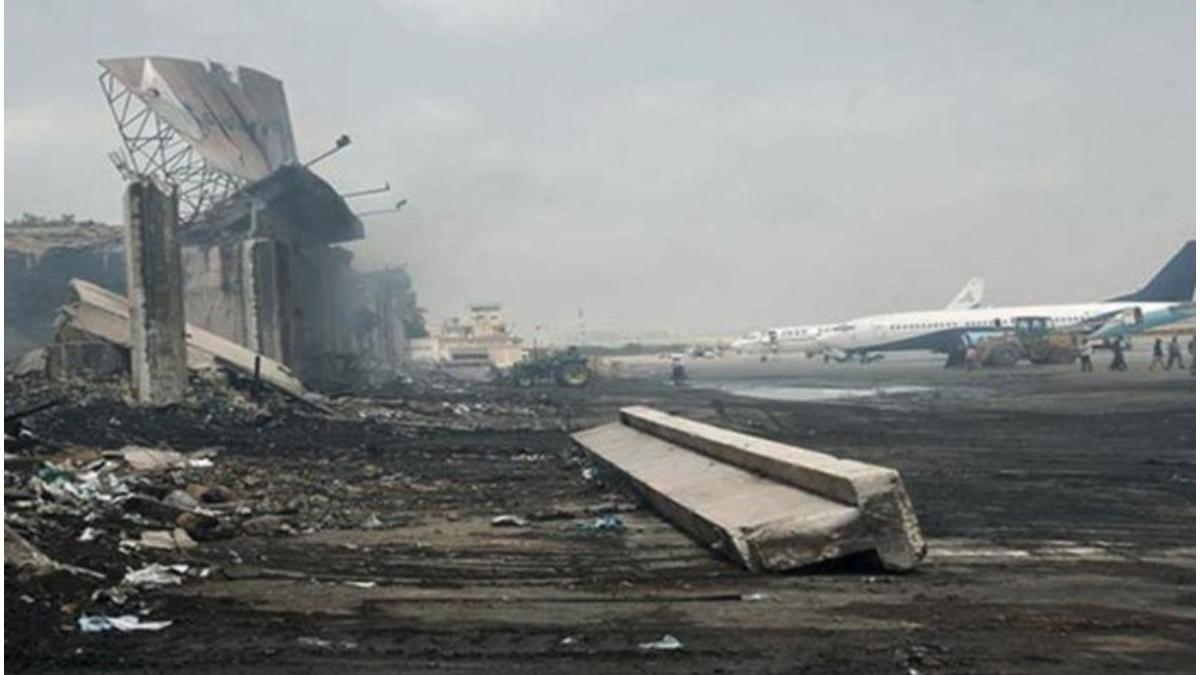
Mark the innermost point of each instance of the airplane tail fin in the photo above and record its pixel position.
(970, 297)
(1174, 283)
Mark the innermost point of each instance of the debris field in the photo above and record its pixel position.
(436, 525)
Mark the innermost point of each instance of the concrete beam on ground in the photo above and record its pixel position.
(154, 273)
(768, 505)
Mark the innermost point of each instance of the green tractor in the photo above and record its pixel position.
(566, 368)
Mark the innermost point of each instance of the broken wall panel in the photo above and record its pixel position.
(767, 505)
(104, 315)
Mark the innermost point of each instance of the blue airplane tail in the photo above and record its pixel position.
(1176, 282)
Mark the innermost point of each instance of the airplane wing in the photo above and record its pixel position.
(970, 297)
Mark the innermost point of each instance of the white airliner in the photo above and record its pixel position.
(806, 339)
(1165, 299)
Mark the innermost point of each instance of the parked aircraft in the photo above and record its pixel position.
(806, 338)
(1167, 298)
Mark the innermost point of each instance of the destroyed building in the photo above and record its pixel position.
(40, 256)
(260, 232)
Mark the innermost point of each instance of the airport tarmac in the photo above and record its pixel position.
(1059, 508)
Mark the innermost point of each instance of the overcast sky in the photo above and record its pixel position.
(692, 166)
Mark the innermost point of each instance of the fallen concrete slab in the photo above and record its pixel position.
(768, 505)
(103, 314)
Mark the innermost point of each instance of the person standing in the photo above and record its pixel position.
(1085, 357)
(1158, 355)
(1174, 354)
(1118, 360)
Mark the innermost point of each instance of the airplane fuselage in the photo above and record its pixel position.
(942, 330)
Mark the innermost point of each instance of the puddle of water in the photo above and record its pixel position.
(797, 393)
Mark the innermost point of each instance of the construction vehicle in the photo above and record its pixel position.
(1033, 339)
(567, 368)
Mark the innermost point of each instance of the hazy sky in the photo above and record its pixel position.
(703, 166)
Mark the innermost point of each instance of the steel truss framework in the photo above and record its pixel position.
(154, 148)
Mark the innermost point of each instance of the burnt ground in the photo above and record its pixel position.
(1060, 513)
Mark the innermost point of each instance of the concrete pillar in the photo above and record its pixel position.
(154, 276)
(262, 297)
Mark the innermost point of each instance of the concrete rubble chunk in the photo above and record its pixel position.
(768, 505)
(105, 315)
(151, 459)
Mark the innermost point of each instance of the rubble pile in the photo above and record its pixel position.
(106, 499)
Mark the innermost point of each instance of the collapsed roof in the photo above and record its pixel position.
(223, 138)
(293, 203)
(236, 120)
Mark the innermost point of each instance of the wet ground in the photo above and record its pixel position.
(1060, 510)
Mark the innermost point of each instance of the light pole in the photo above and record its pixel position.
(399, 205)
(341, 142)
(368, 191)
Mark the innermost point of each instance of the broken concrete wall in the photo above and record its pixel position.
(40, 257)
(212, 294)
(234, 289)
(299, 303)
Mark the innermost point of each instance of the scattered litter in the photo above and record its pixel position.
(26, 557)
(114, 595)
(88, 534)
(362, 584)
(509, 520)
(665, 643)
(264, 525)
(309, 641)
(755, 597)
(569, 640)
(167, 540)
(128, 622)
(155, 575)
(181, 500)
(588, 473)
(372, 522)
(200, 463)
(609, 522)
(151, 459)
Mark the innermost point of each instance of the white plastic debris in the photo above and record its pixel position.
(509, 520)
(608, 522)
(155, 575)
(362, 584)
(316, 642)
(755, 597)
(88, 534)
(665, 643)
(99, 623)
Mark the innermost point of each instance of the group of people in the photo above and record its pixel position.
(1173, 355)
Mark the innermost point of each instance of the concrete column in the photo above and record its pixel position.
(262, 301)
(154, 276)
